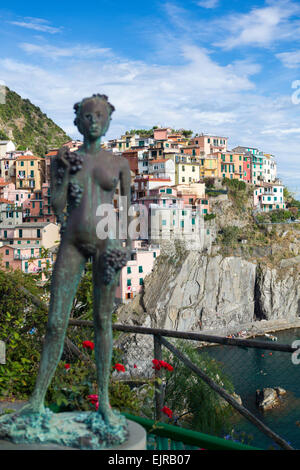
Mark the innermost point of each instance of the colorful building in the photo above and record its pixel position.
(268, 197)
(29, 172)
(210, 143)
(133, 274)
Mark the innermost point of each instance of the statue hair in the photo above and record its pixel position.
(78, 106)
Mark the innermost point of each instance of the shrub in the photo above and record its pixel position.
(191, 399)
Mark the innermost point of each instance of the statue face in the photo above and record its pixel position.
(94, 119)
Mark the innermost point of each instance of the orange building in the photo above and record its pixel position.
(230, 165)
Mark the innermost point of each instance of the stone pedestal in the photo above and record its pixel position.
(136, 441)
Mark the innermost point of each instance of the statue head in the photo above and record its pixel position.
(93, 116)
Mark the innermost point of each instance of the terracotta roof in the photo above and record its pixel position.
(5, 201)
(28, 157)
(159, 179)
(52, 153)
(161, 160)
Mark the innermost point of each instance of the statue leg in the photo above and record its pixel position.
(67, 272)
(104, 295)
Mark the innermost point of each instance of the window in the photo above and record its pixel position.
(141, 281)
(140, 269)
(38, 233)
(5, 233)
(7, 252)
(22, 163)
(31, 163)
(164, 222)
(39, 264)
(128, 270)
(7, 264)
(20, 233)
(128, 282)
(169, 191)
(154, 254)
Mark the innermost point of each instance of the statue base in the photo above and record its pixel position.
(69, 431)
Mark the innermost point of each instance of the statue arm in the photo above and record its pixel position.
(59, 182)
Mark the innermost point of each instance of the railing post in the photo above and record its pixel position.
(158, 386)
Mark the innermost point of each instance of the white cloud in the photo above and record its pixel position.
(295, 130)
(261, 26)
(208, 3)
(289, 59)
(36, 24)
(52, 52)
(196, 94)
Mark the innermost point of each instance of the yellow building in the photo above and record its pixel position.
(208, 166)
(188, 172)
(29, 172)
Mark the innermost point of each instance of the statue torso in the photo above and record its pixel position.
(95, 184)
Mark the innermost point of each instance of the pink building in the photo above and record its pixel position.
(161, 134)
(133, 274)
(247, 174)
(144, 184)
(29, 259)
(17, 196)
(38, 208)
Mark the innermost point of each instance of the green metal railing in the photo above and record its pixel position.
(163, 436)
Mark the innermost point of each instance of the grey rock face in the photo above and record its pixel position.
(202, 292)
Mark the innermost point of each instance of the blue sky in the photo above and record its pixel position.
(214, 66)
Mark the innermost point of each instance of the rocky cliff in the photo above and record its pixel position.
(193, 291)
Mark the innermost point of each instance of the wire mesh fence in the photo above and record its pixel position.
(265, 380)
(260, 375)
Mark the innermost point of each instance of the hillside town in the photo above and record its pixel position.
(172, 176)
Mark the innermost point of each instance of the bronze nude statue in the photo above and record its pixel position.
(82, 181)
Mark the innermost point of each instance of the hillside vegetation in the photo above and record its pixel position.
(27, 126)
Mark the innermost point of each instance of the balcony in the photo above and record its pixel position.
(24, 256)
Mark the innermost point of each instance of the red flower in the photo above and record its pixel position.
(67, 366)
(94, 400)
(88, 345)
(157, 365)
(166, 366)
(167, 411)
(119, 367)
(134, 366)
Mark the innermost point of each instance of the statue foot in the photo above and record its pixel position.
(31, 408)
(111, 418)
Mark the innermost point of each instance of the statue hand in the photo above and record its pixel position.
(62, 158)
